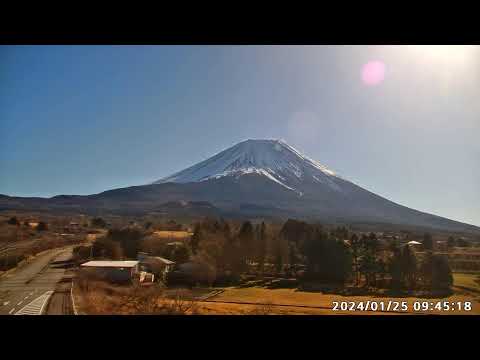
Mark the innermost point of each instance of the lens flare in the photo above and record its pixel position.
(373, 73)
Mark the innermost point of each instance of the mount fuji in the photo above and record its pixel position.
(254, 178)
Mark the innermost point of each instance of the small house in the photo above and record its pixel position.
(415, 245)
(156, 265)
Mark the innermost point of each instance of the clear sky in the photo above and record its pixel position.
(401, 121)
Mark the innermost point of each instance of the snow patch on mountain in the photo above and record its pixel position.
(274, 159)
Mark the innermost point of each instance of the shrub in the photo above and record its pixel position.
(98, 222)
(13, 221)
(42, 226)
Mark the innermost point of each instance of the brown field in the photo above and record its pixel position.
(109, 299)
(291, 301)
(468, 282)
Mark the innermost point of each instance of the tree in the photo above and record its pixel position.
(262, 247)
(328, 259)
(435, 272)
(98, 222)
(13, 221)
(42, 226)
(105, 247)
(409, 267)
(280, 246)
(461, 242)
(427, 241)
(179, 254)
(129, 240)
(395, 269)
(355, 247)
(246, 237)
(451, 242)
(196, 238)
(368, 262)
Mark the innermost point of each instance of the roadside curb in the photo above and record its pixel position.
(211, 295)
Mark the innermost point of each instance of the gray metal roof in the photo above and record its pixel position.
(165, 261)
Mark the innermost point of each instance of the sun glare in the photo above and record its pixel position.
(446, 54)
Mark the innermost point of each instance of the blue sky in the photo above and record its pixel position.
(84, 119)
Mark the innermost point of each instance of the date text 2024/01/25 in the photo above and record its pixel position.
(401, 306)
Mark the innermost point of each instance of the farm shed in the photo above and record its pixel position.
(115, 271)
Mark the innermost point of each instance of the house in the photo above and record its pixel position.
(156, 265)
(32, 223)
(415, 245)
(115, 271)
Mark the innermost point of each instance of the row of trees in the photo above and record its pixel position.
(324, 253)
(309, 251)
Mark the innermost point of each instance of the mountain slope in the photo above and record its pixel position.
(251, 178)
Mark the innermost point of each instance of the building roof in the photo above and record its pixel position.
(175, 243)
(110, 263)
(413, 242)
(158, 258)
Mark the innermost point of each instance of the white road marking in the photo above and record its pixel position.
(6, 303)
(32, 292)
(37, 306)
(11, 311)
(26, 297)
(20, 303)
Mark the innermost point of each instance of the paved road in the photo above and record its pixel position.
(24, 285)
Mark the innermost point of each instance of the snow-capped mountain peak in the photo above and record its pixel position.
(273, 159)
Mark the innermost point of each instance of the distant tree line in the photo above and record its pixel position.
(308, 252)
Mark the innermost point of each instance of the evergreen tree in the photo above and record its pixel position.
(13, 221)
(246, 238)
(42, 226)
(395, 269)
(451, 242)
(409, 267)
(435, 272)
(196, 238)
(368, 263)
(328, 259)
(262, 247)
(427, 241)
(98, 222)
(355, 247)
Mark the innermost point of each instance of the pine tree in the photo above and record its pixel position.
(246, 238)
(427, 241)
(355, 246)
(262, 247)
(409, 267)
(196, 238)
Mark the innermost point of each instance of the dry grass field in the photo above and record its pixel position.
(101, 298)
(291, 301)
(469, 282)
